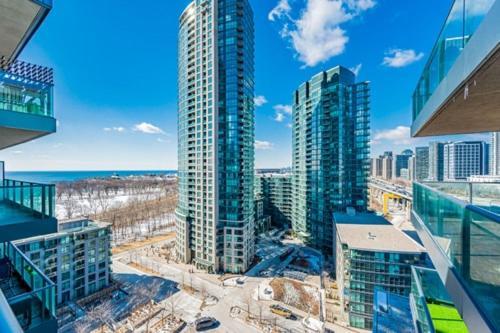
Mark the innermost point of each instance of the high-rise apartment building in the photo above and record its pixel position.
(275, 190)
(27, 295)
(387, 167)
(465, 159)
(376, 167)
(77, 258)
(421, 163)
(215, 213)
(411, 168)
(330, 163)
(457, 93)
(401, 162)
(494, 165)
(436, 161)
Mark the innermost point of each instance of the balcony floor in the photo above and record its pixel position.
(446, 319)
(10, 282)
(10, 214)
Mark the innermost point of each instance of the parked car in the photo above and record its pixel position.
(281, 311)
(206, 323)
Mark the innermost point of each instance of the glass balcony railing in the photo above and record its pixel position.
(431, 306)
(30, 294)
(26, 88)
(20, 200)
(484, 195)
(463, 19)
(463, 219)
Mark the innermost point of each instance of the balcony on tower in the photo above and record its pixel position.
(459, 224)
(458, 89)
(20, 19)
(431, 307)
(26, 102)
(27, 296)
(26, 209)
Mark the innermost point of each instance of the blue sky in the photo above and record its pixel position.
(115, 65)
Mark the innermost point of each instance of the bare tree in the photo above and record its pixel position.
(203, 292)
(248, 301)
(102, 314)
(70, 207)
(81, 326)
(172, 304)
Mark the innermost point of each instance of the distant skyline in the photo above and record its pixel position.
(116, 69)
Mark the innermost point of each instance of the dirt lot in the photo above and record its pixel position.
(142, 243)
(296, 294)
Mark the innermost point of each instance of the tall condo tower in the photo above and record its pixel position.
(215, 213)
(495, 154)
(331, 153)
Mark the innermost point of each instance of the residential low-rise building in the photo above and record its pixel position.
(371, 254)
(275, 191)
(77, 258)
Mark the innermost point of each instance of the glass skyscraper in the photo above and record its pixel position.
(421, 163)
(331, 164)
(215, 214)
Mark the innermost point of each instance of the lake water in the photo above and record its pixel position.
(51, 177)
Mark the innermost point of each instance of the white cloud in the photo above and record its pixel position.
(400, 58)
(281, 108)
(148, 128)
(360, 5)
(356, 69)
(317, 36)
(279, 117)
(474, 8)
(260, 100)
(263, 145)
(282, 8)
(114, 129)
(17, 152)
(289, 125)
(281, 111)
(399, 135)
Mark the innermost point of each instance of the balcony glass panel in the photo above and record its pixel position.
(22, 201)
(484, 195)
(463, 20)
(26, 88)
(20, 95)
(468, 233)
(431, 305)
(30, 294)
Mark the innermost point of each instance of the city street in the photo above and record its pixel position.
(236, 293)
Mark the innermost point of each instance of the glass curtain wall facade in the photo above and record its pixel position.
(368, 271)
(436, 161)
(215, 214)
(421, 163)
(331, 160)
